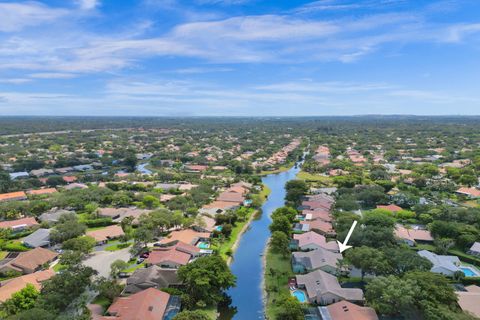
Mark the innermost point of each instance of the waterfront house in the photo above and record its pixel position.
(312, 241)
(188, 236)
(319, 259)
(323, 288)
(174, 256)
(344, 310)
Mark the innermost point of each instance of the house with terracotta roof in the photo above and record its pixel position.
(411, 236)
(19, 224)
(230, 196)
(173, 256)
(42, 191)
(312, 241)
(320, 226)
(390, 207)
(344, 310)
(188, 236)
(104, 234)
(149, 304)
(472, 193)
(13, 196)
(11, 286)
(469, 299)
(29, 261)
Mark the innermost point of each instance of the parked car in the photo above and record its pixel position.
(145, 255)
(123, 275)
(140, 260)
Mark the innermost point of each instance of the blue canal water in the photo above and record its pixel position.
(247, 260)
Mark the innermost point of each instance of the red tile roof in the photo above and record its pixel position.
(149, 304)
(13, 196)
(29, 222)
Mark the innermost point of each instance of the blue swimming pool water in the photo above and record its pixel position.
(468, 272)
(204, 245)
(300, 295)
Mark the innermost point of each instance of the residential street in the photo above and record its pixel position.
(101, 260)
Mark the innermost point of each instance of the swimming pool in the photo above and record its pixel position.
(300, 295)
(469, 272)
(203, 245)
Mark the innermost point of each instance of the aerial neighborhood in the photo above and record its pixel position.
(145, 222)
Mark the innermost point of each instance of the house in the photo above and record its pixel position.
(205, 224)
(196, 168)
(69, 179)
(11, 286)
(313, 241)
(412, 235)
(173, 256)
(41, 172)
(390, 207)
(75, 186)
(13, 196)
(19, 224)
(29, 261)
(229, 196)
(118, 214)
(101, 236)
(53, 215)
(151, 277)
(188, 236)
(475, 249)
(19, 175)
(446, 265)
(320, 226)
(344, 310)
(472, 193)
(42, 191)
(83, 167)
(149, 304)
(39, 238)
(469, 300)
(319, 259)
(323, 288)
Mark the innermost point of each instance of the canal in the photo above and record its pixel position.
(247, 296)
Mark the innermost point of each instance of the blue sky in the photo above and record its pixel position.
(239, 57)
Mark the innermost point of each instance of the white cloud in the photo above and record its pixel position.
(16, 16)
(52, 75)
(88, 4)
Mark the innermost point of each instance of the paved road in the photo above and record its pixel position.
(101, 260)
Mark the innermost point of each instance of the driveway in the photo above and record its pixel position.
(101, 260)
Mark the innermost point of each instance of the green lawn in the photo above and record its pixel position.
(58, 267)
(134, 267)
(227, 244)
(116, 245)
(314, 177)
(3, 254)
(282, 168)
(277, 271)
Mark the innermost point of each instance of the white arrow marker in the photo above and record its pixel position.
(343, 246)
